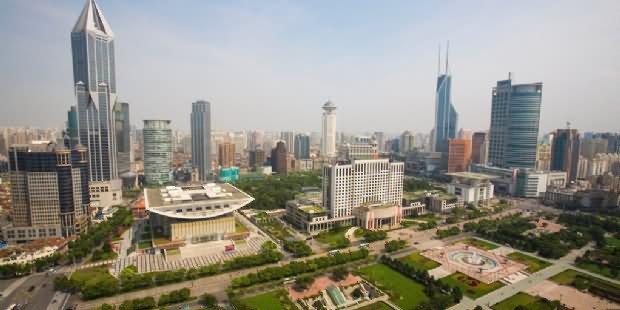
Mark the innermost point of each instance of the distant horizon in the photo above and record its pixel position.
(273, 65)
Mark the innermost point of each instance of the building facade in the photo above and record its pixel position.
(446, 117)
(565, 152)
(200, 120)
(515, 115)
(279, 160)
(123, 142)
(94, 80)
(459, 155)
(256, 158)
(479, 147)
(543, 157)
(157, 136)
(49, 190)
(350, 185)
(302, 146)
(226, 155)
(328, 130)
(289, 138)
(407, 142)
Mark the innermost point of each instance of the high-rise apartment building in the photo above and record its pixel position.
(302, 146)
(380, 139)
(592, 146)
(123, 143)
(350, 185)
(49, 190)
(446, 117)
(407, 142)
(256, 158)
(226, 155)
(328, 131)
(201, 138)
(289, 138)
(459, 155)
(565, 152)
(279, 158)
(479, 147)
(543, 156)
(157, 157)
(515, 114)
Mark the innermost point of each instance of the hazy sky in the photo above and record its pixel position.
(271, 65)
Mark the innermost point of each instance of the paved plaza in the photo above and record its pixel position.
(157, 262)
(479, 264)
(570, 296)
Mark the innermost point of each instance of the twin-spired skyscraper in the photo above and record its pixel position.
(446, 118)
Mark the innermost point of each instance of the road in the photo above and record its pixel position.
(36, 291)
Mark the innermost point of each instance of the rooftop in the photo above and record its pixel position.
(472, 175)
(176, 195)
(414, 195)
(312, 209)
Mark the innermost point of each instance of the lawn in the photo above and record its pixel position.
(602, 270)
(481, 244)
(533, 264)
(526, 300)
(566, 277)
(469, 286)
(376, 306)
(275, 300)
(418, 261)
(144, 244)
(333, 237)
(404, 292)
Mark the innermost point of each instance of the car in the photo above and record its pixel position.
(416, 242)
(31, 288)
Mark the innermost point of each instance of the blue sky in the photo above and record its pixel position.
(272, 64)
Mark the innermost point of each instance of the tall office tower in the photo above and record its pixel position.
(479, 147)
(123, 143)
(226, 154)
(613, 142)
(565, 152)
(94, 78)
(543, 156)
(348, 186)
(302, 146)
(380, 139)
(49, 190)
(289, 139)
(157, 152)
(407, 142)
(72, 136)
(459, 155)
(328, 132)
(592, 146)
(515, 113)
(278, 158)
(201, 138)
(446, 118)
(256, 158)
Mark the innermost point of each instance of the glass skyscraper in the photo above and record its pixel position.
(515, 114)
(92, 46)
(302, 146)
(201, 138)
(446, 118)
(157, 137)
(123, 143)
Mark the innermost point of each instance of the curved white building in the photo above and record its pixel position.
(194, 213)
(328, 131)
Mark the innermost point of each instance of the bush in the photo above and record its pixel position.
(208, 300)
(371, 236)
(444, 233)
(395, 245)
(146, 303)
(174, 297)
(298, 248)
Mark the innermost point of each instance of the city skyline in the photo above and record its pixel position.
(403, 79)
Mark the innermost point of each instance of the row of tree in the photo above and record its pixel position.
(441, 295)
(445, 233)
(38, 265)
(274, 191)
(298, 248)
(296, 268)
(106, 285)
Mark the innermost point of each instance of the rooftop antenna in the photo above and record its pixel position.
(447, 54)
(439, 59)
(567, 125)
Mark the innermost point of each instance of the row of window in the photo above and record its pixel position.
(206, 208)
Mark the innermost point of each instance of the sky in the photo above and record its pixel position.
(271, 65)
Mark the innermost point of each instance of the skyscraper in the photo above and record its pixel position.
(407, 142)
(446, 118)
(49, 190)
(201, 138)
(459, 155)
(328, 132)
(565, 152)
(289, 139)
(515, 114)
(92, 45)
(226, 154)
(157, 152)
(123, 143)
(279, 158)
(479, 147)
(302, 146)
(256, 159)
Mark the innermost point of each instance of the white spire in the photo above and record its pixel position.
(91, 19)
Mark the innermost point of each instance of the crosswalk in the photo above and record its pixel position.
(157, 262)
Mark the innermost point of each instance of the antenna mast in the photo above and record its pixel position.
(447, 54)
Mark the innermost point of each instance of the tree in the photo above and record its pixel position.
(340, 273)
(268, 246)
(357, 293)
(395, 245)
(105, 307)
(302, 283)
(208, 300)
